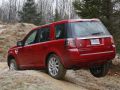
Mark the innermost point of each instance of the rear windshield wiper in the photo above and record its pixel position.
(97, 33)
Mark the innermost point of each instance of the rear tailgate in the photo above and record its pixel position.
(94, 45)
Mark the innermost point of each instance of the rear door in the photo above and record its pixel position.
(42, 46)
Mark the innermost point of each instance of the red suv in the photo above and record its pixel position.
(67, 44)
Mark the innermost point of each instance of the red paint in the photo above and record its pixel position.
(75, 53)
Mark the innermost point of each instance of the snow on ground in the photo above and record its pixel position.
(2, 28)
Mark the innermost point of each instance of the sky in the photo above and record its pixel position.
(7, 0)
(1, 1)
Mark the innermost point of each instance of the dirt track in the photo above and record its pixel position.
(31, 80)
(38, 80)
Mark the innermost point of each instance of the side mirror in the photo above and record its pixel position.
(20, 43)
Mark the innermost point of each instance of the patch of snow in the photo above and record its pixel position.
(1, 28)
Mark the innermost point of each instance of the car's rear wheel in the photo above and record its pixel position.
(12, 65)
(55, 67)
(101, 70)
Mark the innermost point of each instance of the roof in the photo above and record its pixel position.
(69, 20)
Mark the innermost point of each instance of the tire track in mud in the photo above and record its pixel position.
(3, 67)
(74, 80)
(62, 84)
(55, 84)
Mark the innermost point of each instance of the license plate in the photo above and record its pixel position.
(95, 41)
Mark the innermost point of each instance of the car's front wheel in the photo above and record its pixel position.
(12, 65)
(101, 70)
(55, 67)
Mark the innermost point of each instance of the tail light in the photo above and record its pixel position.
(70, 43)
(112, 40)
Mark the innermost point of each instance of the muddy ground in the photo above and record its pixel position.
(38, 80)
(74, 80)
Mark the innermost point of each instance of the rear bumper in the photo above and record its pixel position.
(75, 59)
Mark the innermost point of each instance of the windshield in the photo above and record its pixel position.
(87, 28)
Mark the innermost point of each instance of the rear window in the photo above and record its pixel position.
(87, 28)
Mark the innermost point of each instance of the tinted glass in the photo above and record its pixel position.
(88, 28)
(31, 38)
(44, 34)
(60, 31)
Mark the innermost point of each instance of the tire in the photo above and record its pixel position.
(100, 71)
(12, 65)
(55, 68)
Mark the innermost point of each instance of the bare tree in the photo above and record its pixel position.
(10, 8)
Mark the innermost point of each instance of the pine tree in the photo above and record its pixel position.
(101, 9)
(57, 16)
(29, 13)
(88, 8)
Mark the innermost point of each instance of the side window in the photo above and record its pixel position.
(60, 31)
(44, 34)
(31, 38)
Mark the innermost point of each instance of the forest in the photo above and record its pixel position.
(18, 17)
(47, 11)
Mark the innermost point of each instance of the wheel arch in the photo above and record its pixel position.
(9, 58)
(48, 55)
